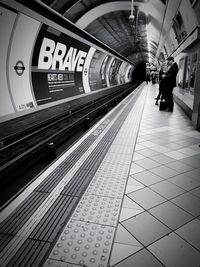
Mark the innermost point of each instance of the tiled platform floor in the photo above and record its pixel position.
(158, 185)
(160, 217)
(142, 207)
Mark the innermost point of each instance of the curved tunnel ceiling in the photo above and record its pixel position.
(109, 22)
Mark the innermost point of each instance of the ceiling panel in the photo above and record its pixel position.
(109, 22)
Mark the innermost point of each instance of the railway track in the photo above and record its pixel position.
(23, 151)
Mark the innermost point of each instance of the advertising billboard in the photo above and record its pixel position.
(57, 65)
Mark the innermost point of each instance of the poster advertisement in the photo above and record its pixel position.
(57, 66)
(114, 71)
(97, 74)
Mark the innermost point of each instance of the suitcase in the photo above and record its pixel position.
(166, 105)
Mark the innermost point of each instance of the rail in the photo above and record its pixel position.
(23, 153)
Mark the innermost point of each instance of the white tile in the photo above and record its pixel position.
(120, 252)
(191, 233)
(147, 137)
(161, 158)
(132, 181)
(131, 188)
(147, 163)
(188, 151)
(148, 144)
(189, 203)
(193, 134)
(148, 152)
(129, 209)
(195, 174)
(196, 191)
(129, 203)
(140, 139)
(184, 182)
(164, 172)
(127, 213)
(161, 149)
(133, 185)
(195, 147)
(137, 156)
(179, 166)
(124, 237)
(147, 178)
(176, 155)
(162, 129)
(138, 147)
(135, 169)
(173, 251)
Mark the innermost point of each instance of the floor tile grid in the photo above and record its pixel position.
(171, 231)
(174, 251)
(142, 248)
(189, 190)
(171, 131)
(186, 240)
(168, 179)
(172, 161)
(166, 200)
(155, 206)
(166, 164)
(148, 153)
(185, 173)
(186, 191)
(138, 240)
(183, 142)
(178, 133)
(189, 231)
(158, 205)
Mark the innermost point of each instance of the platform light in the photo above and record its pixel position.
(131, 17)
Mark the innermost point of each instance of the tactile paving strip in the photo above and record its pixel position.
(124, 140)
(97, 209)
(106, 187)
(83, 243)
(121, 149)
(54, 263)
(116, 159)
(113, 171)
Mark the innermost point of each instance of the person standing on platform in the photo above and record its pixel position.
(147, 78)
(169, 80)
(161, 84)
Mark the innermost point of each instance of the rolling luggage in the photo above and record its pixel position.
(165, 105)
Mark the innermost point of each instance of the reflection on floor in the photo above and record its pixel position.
(160, 217)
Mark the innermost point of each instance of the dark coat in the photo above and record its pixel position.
(170, 76)
(161, 72)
